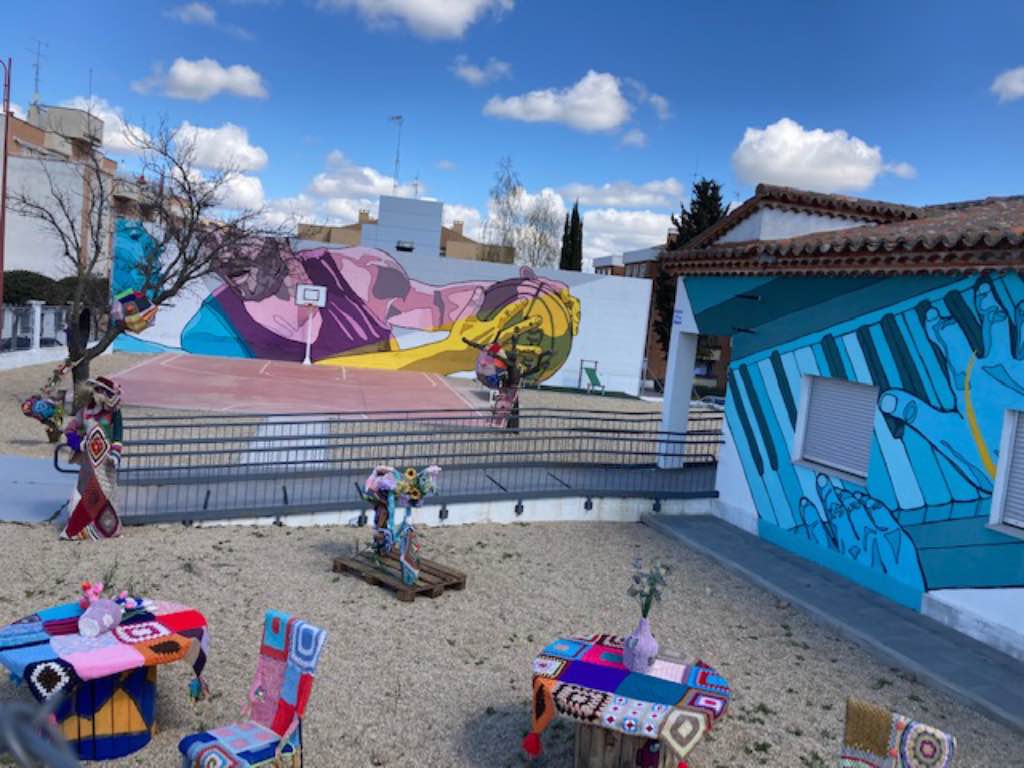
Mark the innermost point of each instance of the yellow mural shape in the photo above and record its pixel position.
(972, 422)
(543, 328)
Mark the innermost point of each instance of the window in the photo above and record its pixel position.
(1008, 494)
(835, 426)
(405, 246)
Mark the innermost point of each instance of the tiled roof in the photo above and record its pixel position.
(791, 199)
(972, 236)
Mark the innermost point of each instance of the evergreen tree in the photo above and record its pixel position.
(563, 261)
(706, 209)
(572, 241)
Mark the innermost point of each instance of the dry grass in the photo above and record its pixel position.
(446, 682)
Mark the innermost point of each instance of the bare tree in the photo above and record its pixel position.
(190, 232)
(531, 226)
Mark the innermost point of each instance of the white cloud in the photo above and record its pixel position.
(1009, 85)
(243, 192)
(663, 193)
(595, 103)
(902, 170)
(202, 79)
(634, 138)
(471, 218)
(117, 132)
(227, 147)
(343, 178)
(427, 18)
(786, 153)
(660, 104)
(17, 111)
(445, 165)
(193, 13)
(608, 231)
(286, 212)
(474, 75)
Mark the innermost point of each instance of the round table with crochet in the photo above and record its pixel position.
(658, 717)
(106, 677)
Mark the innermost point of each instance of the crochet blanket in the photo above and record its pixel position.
(45, 650)
(874, 737)
(582, 677)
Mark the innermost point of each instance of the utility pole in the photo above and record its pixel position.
(398, 150)
(3, 184)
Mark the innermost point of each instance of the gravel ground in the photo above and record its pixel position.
(446, 682)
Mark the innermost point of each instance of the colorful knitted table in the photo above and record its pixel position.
(582, 677)
(108, 681)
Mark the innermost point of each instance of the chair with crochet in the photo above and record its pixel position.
(270, 733)
(875, 737)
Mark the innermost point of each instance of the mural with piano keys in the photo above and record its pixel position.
(947, 363)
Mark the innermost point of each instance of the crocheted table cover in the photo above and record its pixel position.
(583, 678)
(46, 651)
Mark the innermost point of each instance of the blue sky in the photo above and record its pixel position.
(617, 104)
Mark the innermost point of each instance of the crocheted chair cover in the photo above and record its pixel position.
(877, 738)
(275, 705)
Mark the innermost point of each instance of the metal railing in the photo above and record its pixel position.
(207, 467)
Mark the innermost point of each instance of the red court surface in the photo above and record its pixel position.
(233, 385)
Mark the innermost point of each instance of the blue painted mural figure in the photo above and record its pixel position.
(947, 364)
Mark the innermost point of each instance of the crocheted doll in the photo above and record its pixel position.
(95, 435)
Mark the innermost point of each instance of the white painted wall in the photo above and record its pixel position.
(679, 369)
(29, 245)
(405, 219)
(734, 504)
(993, 616)
(774, 224)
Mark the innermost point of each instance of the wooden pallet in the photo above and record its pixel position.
(433, 580)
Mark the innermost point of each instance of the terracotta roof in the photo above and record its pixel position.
(792, 199)
(971, 236)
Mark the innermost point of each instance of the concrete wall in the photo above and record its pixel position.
(405, 220)
(774, 224)
(400, 311)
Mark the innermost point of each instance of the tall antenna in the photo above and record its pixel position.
(398, 149)
(90, 87)
(416, 186)
(38, 52)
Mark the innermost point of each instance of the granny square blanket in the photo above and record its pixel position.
(45, 650)
(583, 678)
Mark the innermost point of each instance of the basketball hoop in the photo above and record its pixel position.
(312, 297)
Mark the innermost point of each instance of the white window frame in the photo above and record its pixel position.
(1011, 422)
(800, 434)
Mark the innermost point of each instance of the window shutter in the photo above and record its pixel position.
(840, 425)
(1013, 498)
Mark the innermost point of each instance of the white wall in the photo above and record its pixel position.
(774, 224)
(405, 219)
(29, 244)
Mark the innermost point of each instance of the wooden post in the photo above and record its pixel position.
(597, 747)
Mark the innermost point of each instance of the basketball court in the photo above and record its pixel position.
(232, 385)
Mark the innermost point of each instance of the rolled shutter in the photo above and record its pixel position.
(840, 425)
(1013, 498)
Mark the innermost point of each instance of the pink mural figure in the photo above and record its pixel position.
(369, 296)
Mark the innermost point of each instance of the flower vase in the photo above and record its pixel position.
(641, 649)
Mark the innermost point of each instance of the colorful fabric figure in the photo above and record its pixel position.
(95, 435)
(134, 310)
(275, 705)
(491, 366)
(582, 677)
(874, 737)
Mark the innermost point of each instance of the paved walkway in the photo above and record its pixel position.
(967, 669)
(31, 490)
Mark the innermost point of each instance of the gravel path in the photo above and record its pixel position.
(446, 682)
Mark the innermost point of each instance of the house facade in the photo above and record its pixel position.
(874, 392)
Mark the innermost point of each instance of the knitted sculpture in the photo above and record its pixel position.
(95, 435)
(272, 733)
(877, 738)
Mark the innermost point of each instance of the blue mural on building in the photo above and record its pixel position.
(947, 356)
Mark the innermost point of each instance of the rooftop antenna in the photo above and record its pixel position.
(398, 150)
(38, 52)
(416, 186)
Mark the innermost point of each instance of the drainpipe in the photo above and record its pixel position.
(3, 182)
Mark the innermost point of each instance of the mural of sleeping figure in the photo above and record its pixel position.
(377, 315)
